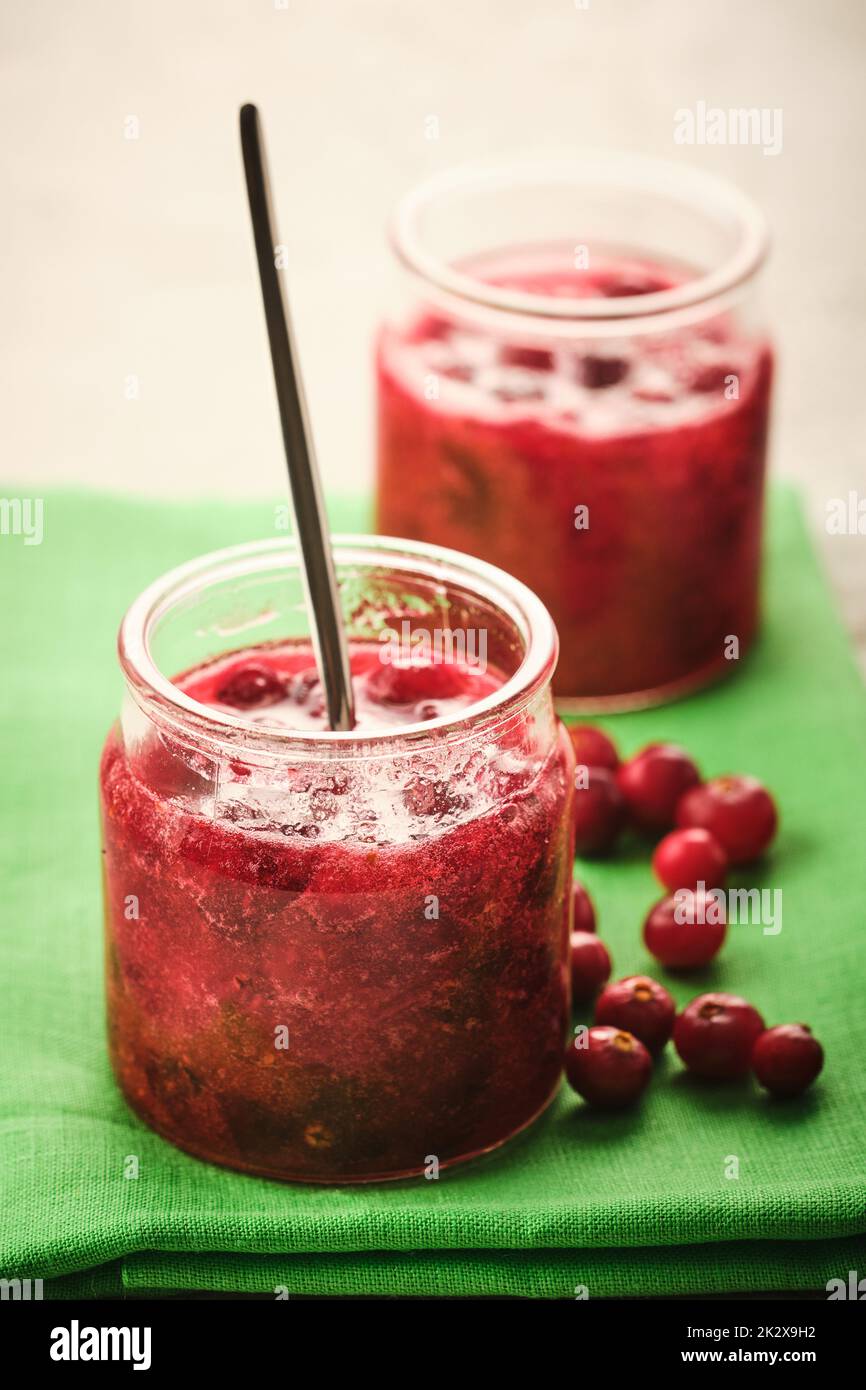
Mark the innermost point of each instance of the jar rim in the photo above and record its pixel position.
(682, 183)
(507, 594)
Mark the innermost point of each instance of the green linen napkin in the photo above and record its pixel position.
(631, 1204)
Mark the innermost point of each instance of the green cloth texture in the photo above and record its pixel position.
(629, 1204)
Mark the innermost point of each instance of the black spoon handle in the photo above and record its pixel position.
(311, 521)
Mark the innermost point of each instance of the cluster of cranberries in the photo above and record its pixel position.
(706, 826)
(730, 820)
(718, 1036)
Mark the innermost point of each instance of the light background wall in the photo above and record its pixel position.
(133, 257)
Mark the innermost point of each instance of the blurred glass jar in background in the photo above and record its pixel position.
(575, 386)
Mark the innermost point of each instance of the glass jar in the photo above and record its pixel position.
(574, 385)
(337, 957)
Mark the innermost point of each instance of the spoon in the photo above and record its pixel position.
(311, 522)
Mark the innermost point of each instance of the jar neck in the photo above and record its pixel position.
(232, 591)
(438, 231)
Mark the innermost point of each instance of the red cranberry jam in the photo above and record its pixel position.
(619, 477)
(331, 967)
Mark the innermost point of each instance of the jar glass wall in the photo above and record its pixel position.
(332, 957)
(574, 384)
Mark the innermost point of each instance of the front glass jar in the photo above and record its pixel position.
(574, 385)
(337, 957)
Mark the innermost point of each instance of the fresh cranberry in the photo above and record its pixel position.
(394, 684)
(715, 1035)
(653, 781)
(611, 1070)
(598, 372)
(599, 812)
(685, 858)
(641, 1006)
(582, 909)
(592, 747)
(787, 1059)
(678, 933)
(251, 686)
(739, 811)
(590, 965)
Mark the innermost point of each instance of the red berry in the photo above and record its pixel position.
(251, 685)
(599, 812)
(640, 1006)
(653, 781)
(787, 1059)
(715, 1035)
(394, 684)
(610, 1070)
(592, 747)
(739, 811)
(686, 929)
(582, 910)
(685, 858)
(590, 965)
